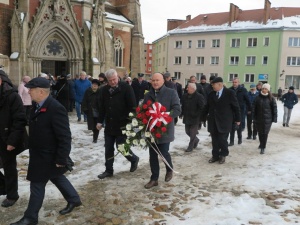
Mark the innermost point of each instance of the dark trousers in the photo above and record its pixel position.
(219, 144)
(239, 132)
(154, 163)
(37, 194)
(110, 141)
(27, 109)
(10, 177)
(263, 138)
(95, 131)
(251, 131)
(192, 131)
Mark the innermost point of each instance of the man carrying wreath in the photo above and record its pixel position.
(169, 99)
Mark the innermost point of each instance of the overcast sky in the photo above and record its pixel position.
(156, 12)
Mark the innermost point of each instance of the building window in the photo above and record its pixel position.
(159, 48)
(252, 42)
(200, 60)
(164, 61)
(189, 44)
(249, 77)
(177, 75)
(235, 43)
(164, 47)
(291, 80)
(150, 61)
(232, 75)
(293, 61)
(214, 60)
(250, 60)
(266, 41)
(265, 60)
(294, 42)
(149, 68)
(158, 62)
(177, 60)
(201, 44)
(215, 43)
(119, 47)
(198, 76)
(150, 54)
(188, 60)
(150, 47)
(213, 74)
(234, 60)
(178, 44)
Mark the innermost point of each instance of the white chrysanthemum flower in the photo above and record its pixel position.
(134, 122)
(123, 131)
(143, 142)
(128, 127)
(152, 140)
(147, 134)
(128, 133)
(133, 134)
(135, 142)
(130, 114)
(127, 141)
(141, 127)
(121, 148)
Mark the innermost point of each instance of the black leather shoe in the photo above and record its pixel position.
(25, 221)
(169, 176)
(134, 165)
(196, 143)
(249, 137)
(222, 159)
(188, 150)
(69, 208)
(151, 184)
(8, 202)
(212, 160)
(231, 144)
(283, 124)
(262, 151)
(240, 141)
(254, 137)
(105, 174)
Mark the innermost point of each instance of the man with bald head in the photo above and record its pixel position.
(168, 98)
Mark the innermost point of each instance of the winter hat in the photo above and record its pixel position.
(38, 82)
(96, 81)
(291, 88)
(203, 77)
(212, 77)
(217, 80)
(166, 75)
(252, 86)
(267, 86)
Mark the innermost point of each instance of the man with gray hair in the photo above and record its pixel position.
(192, 106)
(116, 101)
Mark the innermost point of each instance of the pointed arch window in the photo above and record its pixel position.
(119, 52)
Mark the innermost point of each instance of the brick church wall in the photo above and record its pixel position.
(6, 12)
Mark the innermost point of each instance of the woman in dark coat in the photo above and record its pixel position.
(264, 110)
(89, 107)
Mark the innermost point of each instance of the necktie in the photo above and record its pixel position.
(37, 107)
(112, 89)
(217, 95)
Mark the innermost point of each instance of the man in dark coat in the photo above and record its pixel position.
(49, 149)
(200, 89)
(223, 110)
(289, 100)
(168, 98)
(168, 81)
(139, 87)
(116, 101)
(192, 106)
(62, 91)
(244, 103)
(12, 127)
(90, 107)
(179, 92)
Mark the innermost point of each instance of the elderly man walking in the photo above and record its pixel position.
(192, 106)
(169, 99)
(116, 101)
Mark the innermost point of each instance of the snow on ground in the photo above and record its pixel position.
(245, 172)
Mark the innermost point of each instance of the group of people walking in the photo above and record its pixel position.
(106, 103)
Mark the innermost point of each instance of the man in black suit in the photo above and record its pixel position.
(116, 101)
(139, 86)
(49, 149)
(221, 108)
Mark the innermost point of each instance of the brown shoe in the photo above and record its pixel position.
(222, 159)
(169, 176)
(151, 184)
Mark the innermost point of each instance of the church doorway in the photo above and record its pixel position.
(56, 68)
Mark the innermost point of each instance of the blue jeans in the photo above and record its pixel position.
(110, 141)
(154, 163)
(78, 110)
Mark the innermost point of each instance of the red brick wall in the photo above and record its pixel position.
(78, 12)
(33, 5)
(6, 12)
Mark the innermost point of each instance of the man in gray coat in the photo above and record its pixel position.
(168, 98)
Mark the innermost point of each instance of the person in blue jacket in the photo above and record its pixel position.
(81, 85)
(289, 99)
